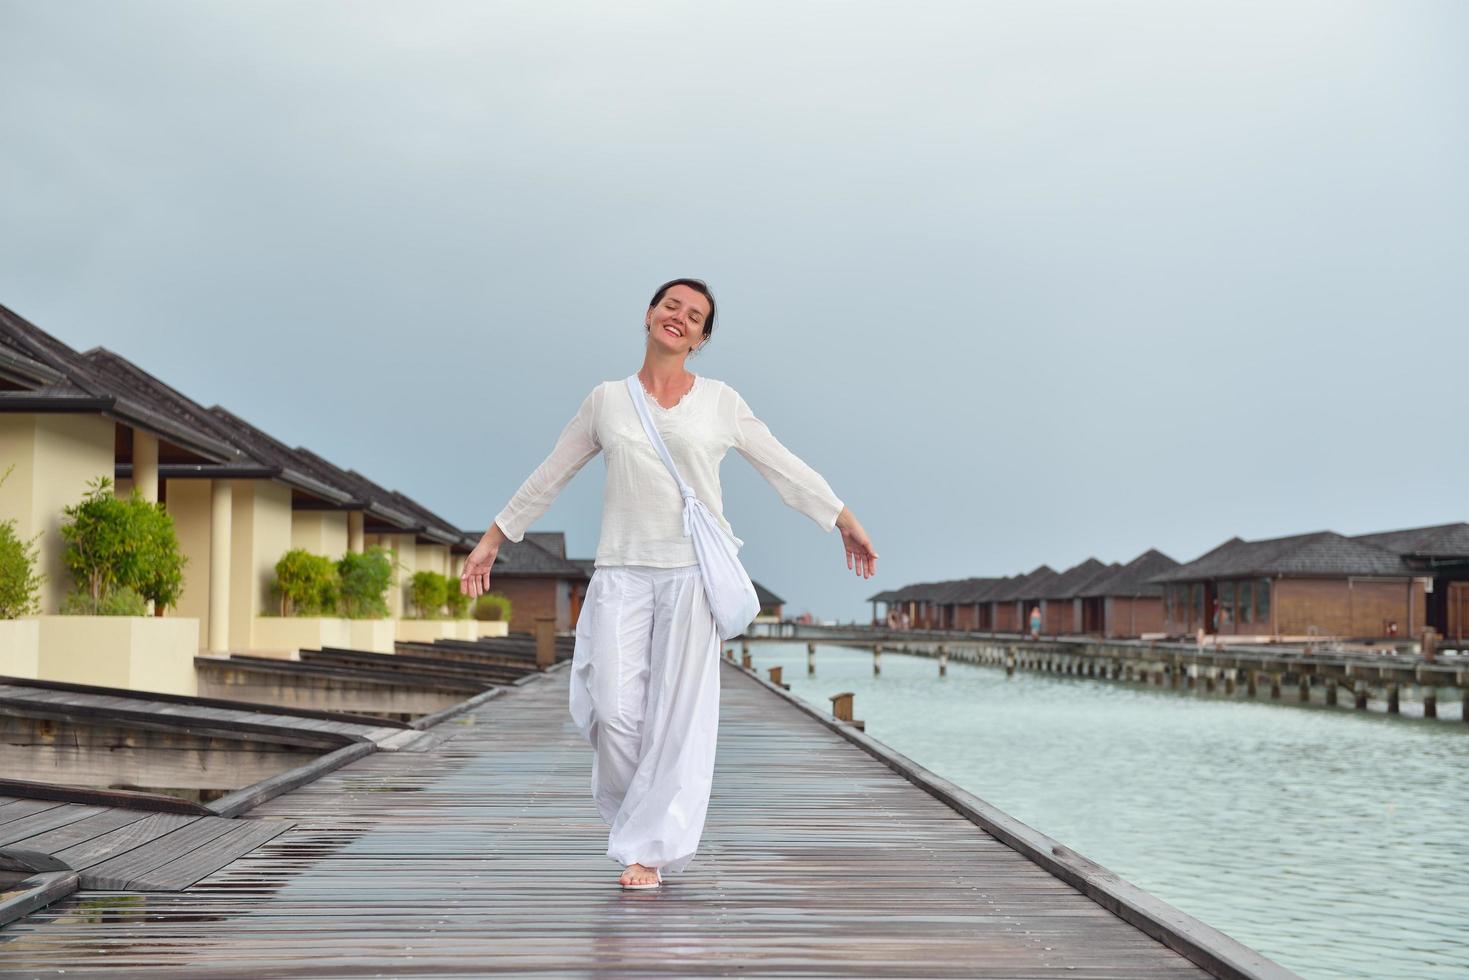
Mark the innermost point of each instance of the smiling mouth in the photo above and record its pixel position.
(673, 331)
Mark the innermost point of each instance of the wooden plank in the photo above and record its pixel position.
(85, 829)
(23, 808)
(120, 871)
(186, 869)
(123, 839)
(44, 820)
(484, 853)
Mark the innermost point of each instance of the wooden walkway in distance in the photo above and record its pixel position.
(484, 854)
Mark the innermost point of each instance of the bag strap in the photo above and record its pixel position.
(640, 402)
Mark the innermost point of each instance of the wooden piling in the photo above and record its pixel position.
(1359, 688)
(1303, 692)
(841, 709)
(745, 661)
(1009, 665)
(811, 660)
(876, 660)
(1392, 698)
(1430, 703)
(775, 675)
(943, 660)
(1229, 682)
(1252, 683)
(545, 633)
(1331, 692)
(1275, 687)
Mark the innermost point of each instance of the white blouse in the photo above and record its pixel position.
(642, 510)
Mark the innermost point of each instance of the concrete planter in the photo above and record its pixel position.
(287, 635)
(20, 647)
(496, 628)
(375, 635)
(427, 630)
(140, 653)
(467, 629)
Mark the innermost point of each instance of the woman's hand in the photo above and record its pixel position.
(861, 558)
(474, 580)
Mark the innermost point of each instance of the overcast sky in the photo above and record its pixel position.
(1027, 282)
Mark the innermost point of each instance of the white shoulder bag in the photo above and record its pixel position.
(731, 593)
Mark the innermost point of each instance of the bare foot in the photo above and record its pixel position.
(638, 874)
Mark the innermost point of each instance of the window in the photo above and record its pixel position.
(1262, 601)
(1197, 601)
(1226, 603)
(1246, 601)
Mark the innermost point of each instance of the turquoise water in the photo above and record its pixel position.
(1334, 841)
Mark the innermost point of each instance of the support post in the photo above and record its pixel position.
(1331, 692)
(876, 659)
(943, 660)
(545, 632)
(221, 509)
(1392, 698)
(811, 660)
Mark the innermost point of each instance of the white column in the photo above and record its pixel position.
(356, 522)
(221, 507)
(145, 464)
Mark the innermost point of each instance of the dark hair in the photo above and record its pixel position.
(699, 286)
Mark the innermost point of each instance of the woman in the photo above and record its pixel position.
(645, 672)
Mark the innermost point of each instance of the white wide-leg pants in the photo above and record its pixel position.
(645, 695)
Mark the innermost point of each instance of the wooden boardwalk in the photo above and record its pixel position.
(483, 854)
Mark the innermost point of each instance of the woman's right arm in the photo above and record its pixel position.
(574, 447)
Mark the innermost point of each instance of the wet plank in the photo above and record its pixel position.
(484, 854)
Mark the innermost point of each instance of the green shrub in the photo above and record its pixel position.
(363, 582)
(20, 583)
(121, 601)
(455, 601)
(492, 607)
(114, 543)
(428, 590)
(306, 583)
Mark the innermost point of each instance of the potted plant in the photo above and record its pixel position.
(20, 591)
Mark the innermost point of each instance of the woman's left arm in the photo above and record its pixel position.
(801, 487)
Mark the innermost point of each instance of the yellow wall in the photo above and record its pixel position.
(55, 456)
(188, 504)
(405, 556)
(139, 653)
(321, 532)
(260, 535)
(433, 558)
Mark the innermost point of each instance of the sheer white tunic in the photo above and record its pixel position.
(642, 511)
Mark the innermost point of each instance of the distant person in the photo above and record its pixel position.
(1035, 622)
(645, 672)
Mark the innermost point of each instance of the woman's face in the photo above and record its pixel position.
(676, 323)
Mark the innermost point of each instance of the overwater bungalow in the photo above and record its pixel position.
(1298, 586)
(1124, 604)
(1009, 610)
(772, 606)
(1059, 597)
(1439, 554)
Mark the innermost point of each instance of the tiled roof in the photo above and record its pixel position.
(1320, 553)
(1026, 586)
(525, 558)
(886, 595)
(434, 526)
(252, 445)
(1069, 583)
(54, 373)
(1131, 580)
(1435, 541)
(766, 597)
(552, 541)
